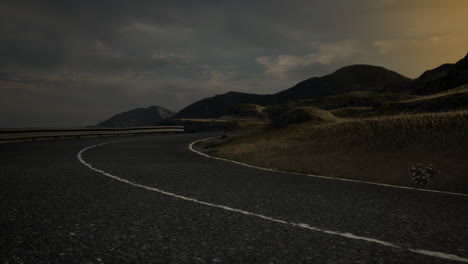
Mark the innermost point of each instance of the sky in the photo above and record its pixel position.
(76, 63)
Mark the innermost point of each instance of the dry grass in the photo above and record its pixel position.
(460, 89)
(309, 114)
(377, 149)
(200, 120)
(249, 126)
(403, 129)
(451, 100)
(349, 111)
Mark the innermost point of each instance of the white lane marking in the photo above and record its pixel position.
(315, 176)
(227, 208)
(439, 255)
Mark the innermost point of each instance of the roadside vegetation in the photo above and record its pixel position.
(381, 148)
(450, 100)
(360, 122)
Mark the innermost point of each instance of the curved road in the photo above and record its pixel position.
(152, 200)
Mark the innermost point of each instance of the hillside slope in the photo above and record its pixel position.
(223, 104)
(436, 81)
(442, 78)
(347, 79)
(378, 149)
(150, 116)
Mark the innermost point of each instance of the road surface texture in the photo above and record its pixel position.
(167, 204)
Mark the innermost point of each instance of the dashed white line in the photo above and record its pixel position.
(436, 254)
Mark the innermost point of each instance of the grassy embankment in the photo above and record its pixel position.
(377, 149)
(450, 100)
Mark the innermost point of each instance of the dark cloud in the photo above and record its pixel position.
(78, 62)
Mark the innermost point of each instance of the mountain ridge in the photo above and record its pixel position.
(353, 78)
(444, 77)
(150, 116)
(448, 77)
(358, 77)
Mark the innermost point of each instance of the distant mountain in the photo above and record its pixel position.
(150, 116)
(347, 79)
(223, 104)
(442, 78)
(445, 77)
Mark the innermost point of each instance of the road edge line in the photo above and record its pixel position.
(430, 253)
(312, 175)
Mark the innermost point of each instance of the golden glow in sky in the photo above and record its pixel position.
(76, 64)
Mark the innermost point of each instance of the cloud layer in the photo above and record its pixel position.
(76, 63)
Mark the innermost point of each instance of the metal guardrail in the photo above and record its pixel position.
(67, 129)
(56, 133)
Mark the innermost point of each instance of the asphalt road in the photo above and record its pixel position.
(54, 209)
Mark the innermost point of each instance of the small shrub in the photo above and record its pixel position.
(249, 110)
(421, 174)
(302, 114)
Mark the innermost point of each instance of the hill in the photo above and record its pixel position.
(445, 101)
(412, 133)
(378, 149)
(345, 80)
(442, 78)
(223, 104)
(150, 116)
